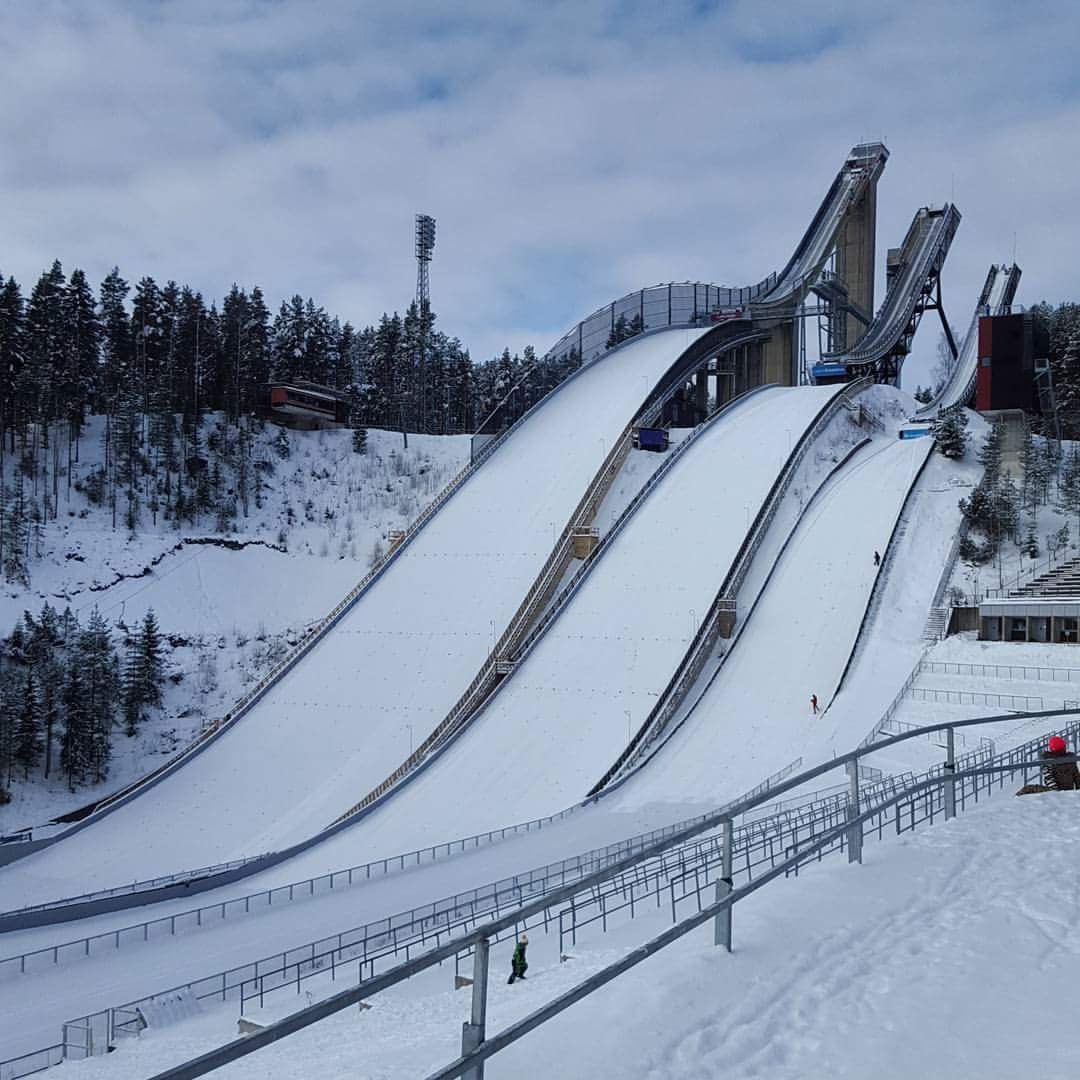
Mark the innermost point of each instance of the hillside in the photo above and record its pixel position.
(228, 602)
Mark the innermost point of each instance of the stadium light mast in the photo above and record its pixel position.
(425, 245)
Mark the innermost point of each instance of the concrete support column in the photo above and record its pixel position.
(855, 257)
(778, 360)
(701, 394)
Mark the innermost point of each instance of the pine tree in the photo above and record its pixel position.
(76, 740)
(950, 433)
(101, 684)
(132, 689)
(16, 534)
(28, 739)
(989, 456)
(151, 659)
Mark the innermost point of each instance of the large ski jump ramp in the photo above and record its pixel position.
(564, 714)
(756, 717)
(340, 721)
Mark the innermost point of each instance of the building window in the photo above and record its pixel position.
(1017, 629)
(1067, 631)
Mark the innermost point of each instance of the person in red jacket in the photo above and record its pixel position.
(1063, 776)
(1056, 775)
(813, 703)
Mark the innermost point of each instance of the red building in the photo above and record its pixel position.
(1011, 350)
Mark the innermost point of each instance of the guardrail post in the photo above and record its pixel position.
(854, 831)
(950, 774)
(472, 1032)
(722, 922)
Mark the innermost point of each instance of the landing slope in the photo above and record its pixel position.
(388, 673)
(756, 717)
(566, 711)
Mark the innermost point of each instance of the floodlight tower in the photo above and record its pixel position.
(425, 245)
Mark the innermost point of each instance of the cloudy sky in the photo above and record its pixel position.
(571, 152)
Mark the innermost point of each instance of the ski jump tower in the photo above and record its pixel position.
(835, 261)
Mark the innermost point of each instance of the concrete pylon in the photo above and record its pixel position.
(779, 362)
(855, 255)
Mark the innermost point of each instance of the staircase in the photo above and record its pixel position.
(937, 623)
(1062, 580)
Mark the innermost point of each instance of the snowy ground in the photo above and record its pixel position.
(227, 613)
(949, 953)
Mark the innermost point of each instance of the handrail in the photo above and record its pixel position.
(708, 632)
(481, 935)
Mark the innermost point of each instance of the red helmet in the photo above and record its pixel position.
(1056, 745)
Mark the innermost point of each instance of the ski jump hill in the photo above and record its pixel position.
(578, 631)
(444, 636)
(568, 601)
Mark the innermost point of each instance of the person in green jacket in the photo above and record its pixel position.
(518, 963)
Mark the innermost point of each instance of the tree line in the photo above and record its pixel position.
(66, 687)
(156, 360)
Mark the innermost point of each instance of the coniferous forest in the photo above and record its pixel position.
(156, 360)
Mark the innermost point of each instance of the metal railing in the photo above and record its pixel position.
(939, 795)
(756, 842)
(368, 944)
(1020, 672)
(1019, 702)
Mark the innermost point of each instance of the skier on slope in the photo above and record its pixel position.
(518, 963)
(1056, 776)
(877, 559)
(813, 703)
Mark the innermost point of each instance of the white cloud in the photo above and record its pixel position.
(571, 152)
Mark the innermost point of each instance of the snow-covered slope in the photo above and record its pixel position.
(339, 722)
(566, 712)
(756, 716)
(229, 603)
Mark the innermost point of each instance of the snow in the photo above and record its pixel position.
(950, 952)
(227, 613)
(894, 640)
(756, 715)
(564, 716)
(347, 715)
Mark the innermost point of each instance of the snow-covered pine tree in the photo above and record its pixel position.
(28, 730)
(950, 432)
(76, 739)
(131, 692)
(97, 658)
(16, 533)
(989, 455)
(151, 659)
